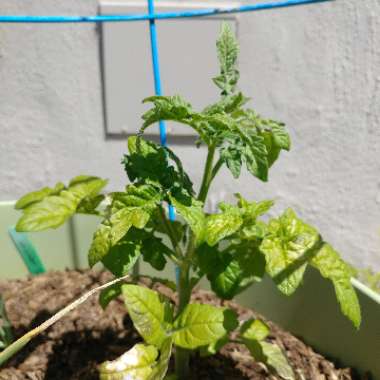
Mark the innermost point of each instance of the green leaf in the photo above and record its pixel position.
(51, 212)
(160, 369)
(89, 205)
(200, 325)
(109, 294)
(42, 211)
(166, 108)
(124, 219)
(121, 258)
(331, 266)
(271, 355)
(214, 347)
(37, 196)
(137, 363)
(243, 265)
(286, 250)
(151, 317)
(150, 164)
(254, 329)
(101, 244)
(228, 49)
(154, 251)
(86, 186)
(192, 212)
(276, 360)
(219, 226)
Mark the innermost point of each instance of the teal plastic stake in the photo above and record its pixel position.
(27, 251)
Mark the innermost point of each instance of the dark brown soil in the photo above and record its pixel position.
(74, 346)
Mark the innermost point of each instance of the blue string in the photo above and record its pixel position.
(157, 16)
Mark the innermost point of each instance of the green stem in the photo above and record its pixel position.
(207, 174)
(216, 168)
(172, 236)
(182, 357)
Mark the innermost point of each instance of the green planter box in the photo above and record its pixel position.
(312, 313)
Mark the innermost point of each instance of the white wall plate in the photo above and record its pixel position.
(187, 55)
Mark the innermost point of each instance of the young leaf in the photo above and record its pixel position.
(242, 266)
(271, 355)
(167, 108)
(219, 226)
(254, 329)
(124, 219)
(37, 196)
(42, 212)
(137, 363)
(200, 325)
(192, 212)
(285, 249)
(160, 369)
(154, 251)
(109, 294)
(149, 163)
(121, 258)
(331, 266)
(51, 212)
(150, 316)
(101, 244)
(228, 49)
(214, 347)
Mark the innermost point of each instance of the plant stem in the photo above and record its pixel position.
(182, 356)
(172, 236)
(207, 174)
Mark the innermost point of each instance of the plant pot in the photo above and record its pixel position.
(312, 313)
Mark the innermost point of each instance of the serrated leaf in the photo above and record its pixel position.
(109, 294)
(166, 108)
(43, 211)
(331, 266)
(271, 355)
(192, 212)
(51, 212)
(151, 164)
(228, 49)
(276, 359)
(288, 241)
(121, 258)
(242, 266)
(214, 347)
(124, 219)
(154, 251)
(219, 226)
(101, 244)
(200, 325)
(37, 196)
(88, 205)
(161, 368)
(254, 329)
(255, 156)
(137, 363)
(148, 313)
(86, 186)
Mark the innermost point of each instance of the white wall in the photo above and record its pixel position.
(317, 68)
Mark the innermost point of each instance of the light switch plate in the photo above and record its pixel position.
(187, 55)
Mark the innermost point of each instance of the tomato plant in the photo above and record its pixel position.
(232, 248)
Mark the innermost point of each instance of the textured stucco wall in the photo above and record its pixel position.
(317, 68)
